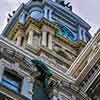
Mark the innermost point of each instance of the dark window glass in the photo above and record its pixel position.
(22, 41)
(47, 39)
(11, 81)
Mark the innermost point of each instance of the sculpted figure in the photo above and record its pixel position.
(40, 85)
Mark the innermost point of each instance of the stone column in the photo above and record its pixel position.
(36, 40)
(19, 36)
(30, 38)
(50, 41)
(44, 39)
(18, 42)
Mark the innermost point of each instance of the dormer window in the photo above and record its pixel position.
(36, 14)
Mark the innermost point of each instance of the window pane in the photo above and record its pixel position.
(11, 81)
(8, 85)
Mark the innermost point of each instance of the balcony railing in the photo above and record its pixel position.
(91, 79)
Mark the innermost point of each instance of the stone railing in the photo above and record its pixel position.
(91, 78)
(8, 65)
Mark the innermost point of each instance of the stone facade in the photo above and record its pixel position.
(50, 32)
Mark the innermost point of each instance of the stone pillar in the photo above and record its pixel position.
(30, 38)
(19, 35)
(44, 39)
(18, 42)
(36, 40)
(50, 41)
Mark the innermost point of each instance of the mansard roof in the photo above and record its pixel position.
(59, 10)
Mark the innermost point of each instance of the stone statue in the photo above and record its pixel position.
(40, 86)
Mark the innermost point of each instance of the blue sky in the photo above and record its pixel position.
(87, 9)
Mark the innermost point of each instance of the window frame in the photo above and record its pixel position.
(18, 81)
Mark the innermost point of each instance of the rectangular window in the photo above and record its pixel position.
(11, 81)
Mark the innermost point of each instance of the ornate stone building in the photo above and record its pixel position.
(47, 53)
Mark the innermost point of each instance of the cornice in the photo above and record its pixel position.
(19, 50)
(62, 10)
(78, 44)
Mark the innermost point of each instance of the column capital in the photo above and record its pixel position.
(32, 28)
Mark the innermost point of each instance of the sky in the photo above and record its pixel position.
(88, 10)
